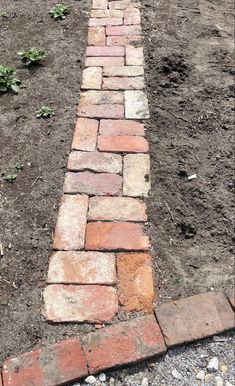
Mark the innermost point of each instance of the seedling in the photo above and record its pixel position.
(32, 56)
(19, 167)
(8, 81)
(44, 112)
(59, 11)
(10, 177)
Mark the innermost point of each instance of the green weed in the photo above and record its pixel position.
(8, 81)
(44, 112)
(32, 56)
(10, 177)
(59, 11)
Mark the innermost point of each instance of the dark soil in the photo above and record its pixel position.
(188, 49)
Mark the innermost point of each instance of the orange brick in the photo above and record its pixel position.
(71, 223)
(85, 135)
(123, 30)
(115, 236)
(79, 303)
(123, 40)
(105, 21)
(125, 83)
(54, 364)
(105, 51)
(100, 111)
(135, 280)
(131, 16)
(96, 36)
(123, 143)
(92, 78)
(121, 127)
(95, 61)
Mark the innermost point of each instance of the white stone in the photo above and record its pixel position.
(91, 380)
(176, 374)
(145, 382)
(228, 383)
(213, 365)
(102, 377)
(112, 382)
(136, 105)
(219, 381)
(201, 375)
(136, 179)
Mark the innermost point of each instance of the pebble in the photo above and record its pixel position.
(201, 375)
(224, 368)
(112, 382)
(145, 382)
(176, 374)
(219, 381)
(213, 365)
(208, 378)
(91, 380)
(228, 384)
(102, 377)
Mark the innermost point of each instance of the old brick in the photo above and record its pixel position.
(85, 135)
(135, 280)
(123, 30)
(83, 303)
(105, 51)
(101, 97)
(52, 365)
(124, 4)
(134, 56)
(100, 4)
(96, 36)
(92, 78)
(136, 175)
(123, 343)
(124, 83)
(101, 13)
(123, 143)
(105, 21)
(115, 236)
(117, 209)
(131, 16)
(94, 61)
(194, 318)
(123, 40)
(95, 161)
(136, 105)
(121, 127)
(82, 268)
(71, 223)
(232, 302)
(123, 71)
(100, 111)
(102, 184)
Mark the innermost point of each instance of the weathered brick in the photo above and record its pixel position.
(52, 365)
(115, 236)
(101, 13)
(127, 342)
(93, 184)
(116, 209)
(85, 135)
(95, 161)
(123, 30)
(71, 223)
(136, 105)
(123, 40)
(194, 318)
(131, 16)
(1, 384)
(100, 111)
(105, 21)
(101, 97)
(135, 281)
(82, 268)
(232, 302)
(105, 51)
(134, 56)
(136, 179)
(79, 303)
(100, 4)
(123, 143)
(96, 36)
(121, 127)
(124, 83)
(92, 78)
(123, 71)
(94, 61)
(124, 4)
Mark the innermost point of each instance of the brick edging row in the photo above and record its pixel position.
(174, 323)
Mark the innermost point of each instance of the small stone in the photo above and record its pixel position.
(213, 365)
(219, 381)
(112, 382)
(208, 378)
(145, 382)
(201, 375)
(102, 377)
(176, 374)
(224, 368)
(228, 383)
(91, 380)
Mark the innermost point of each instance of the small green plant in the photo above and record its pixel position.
(32, 56)
(44, 112)
(19, 167)
(10, 177)
(59, 11)
(8, 81)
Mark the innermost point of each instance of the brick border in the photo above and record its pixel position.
(174, 323)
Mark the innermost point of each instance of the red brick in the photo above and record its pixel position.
(105, 51)
(121, 127)
(100, 111)
(123, 30)
(124, 83)
(123, 40)
(100, 4)
(101, 97)
(95, 161)
(127, 342)
(131, 16)
(123, 143)
(85, 135)
(105, 21)
(96, 36)
(135, 278)
(124, 4)
(123, 71)
(82, 268)
(115, 236)
(1, 384)
(232, 302)
(195, 317)
(117, 209)
(134, 56)
(93, 184)
(79, 303)
(97, 13)
(104, 61)
(71, 223)
(52, 365)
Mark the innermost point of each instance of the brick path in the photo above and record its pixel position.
(101, 260)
